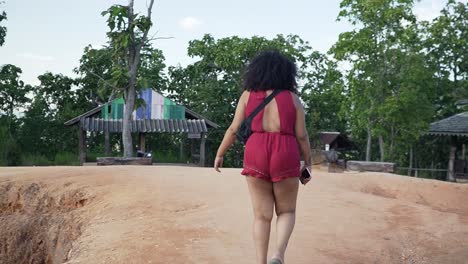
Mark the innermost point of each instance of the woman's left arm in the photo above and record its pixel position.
(230, 135)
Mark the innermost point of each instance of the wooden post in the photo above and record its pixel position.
(142, 141)
(451, 163)
(81, 142)
(369, 142)
(181, 150)
(202, 150)
(410, 167)
(463, 154)
(192, 150)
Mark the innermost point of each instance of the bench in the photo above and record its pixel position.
(355, 165)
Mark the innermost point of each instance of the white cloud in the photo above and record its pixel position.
(428, 10)
(36, 57)
(190, 23)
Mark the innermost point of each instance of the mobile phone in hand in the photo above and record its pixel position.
(305, 175)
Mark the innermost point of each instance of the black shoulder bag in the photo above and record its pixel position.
(245, 129)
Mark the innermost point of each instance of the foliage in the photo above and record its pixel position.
(12, 97)
(324, 95)
(3, 29)
(447, 50)
(12, 89)
(95, 75)
(390, 84)
(55, 102)
(13, 152)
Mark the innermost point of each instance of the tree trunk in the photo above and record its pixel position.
(369, 143)
(451, 163)
(451, 167)
(432, 167)
(416, 172)
(107, 148)
(142, 144)
(9, 119)
(392, 139)
(382, 149)
(410, 167)
(127, 123)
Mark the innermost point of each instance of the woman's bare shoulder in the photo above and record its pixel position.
(296, 100)
(244, 97)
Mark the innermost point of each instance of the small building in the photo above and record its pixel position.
(456, 128)
(157, 114)
(335, 141)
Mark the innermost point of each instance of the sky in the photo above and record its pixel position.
(50, 35)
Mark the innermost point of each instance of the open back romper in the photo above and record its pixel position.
(272, 156)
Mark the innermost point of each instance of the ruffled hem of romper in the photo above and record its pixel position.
(286, 174)
(278, 179)
(254, 173)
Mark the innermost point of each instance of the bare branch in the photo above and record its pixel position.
(144, 38)
(112, 96)
(154, 35)
(145, 35)
(114, 88)
(150, 8)
(151, 39)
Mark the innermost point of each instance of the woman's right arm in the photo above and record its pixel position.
(302, 136)
(230, 135)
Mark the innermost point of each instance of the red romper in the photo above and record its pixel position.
(272, 156)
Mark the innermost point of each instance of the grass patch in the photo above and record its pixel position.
(35, 160)
(66, 158)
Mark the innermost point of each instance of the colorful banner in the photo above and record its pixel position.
(155, 106)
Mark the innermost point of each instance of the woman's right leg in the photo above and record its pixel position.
(261, 193)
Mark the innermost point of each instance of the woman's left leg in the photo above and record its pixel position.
(285, 192)
(261, 193)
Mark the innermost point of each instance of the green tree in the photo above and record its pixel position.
(448, 52)
(127, 36)
(13, 97)
(13, 91)
(385, 54)
(35, 134)
(55, 102)
(323, 95)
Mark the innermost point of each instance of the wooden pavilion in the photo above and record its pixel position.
(159, 115)
(455, 127)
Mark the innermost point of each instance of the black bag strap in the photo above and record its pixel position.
(264, 103)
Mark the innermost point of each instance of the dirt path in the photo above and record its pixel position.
(193, 215)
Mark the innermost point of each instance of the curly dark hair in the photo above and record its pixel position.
(270, 70)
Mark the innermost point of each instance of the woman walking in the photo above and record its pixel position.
(272, 152)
